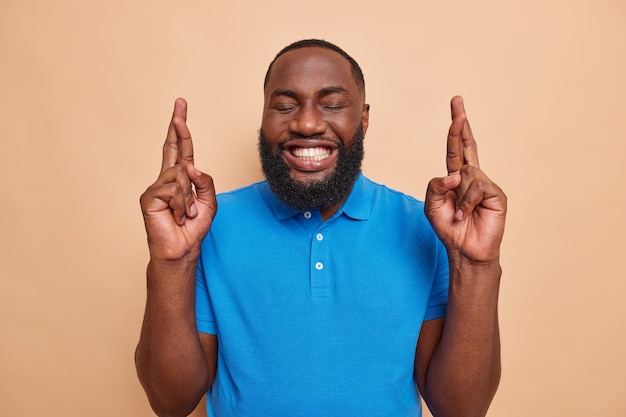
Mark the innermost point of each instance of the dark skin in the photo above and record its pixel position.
(457, 365)
(176, 365)
(306, 98)
(311, 93)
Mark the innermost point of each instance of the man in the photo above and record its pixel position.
(319, 292)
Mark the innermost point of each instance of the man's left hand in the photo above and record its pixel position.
(466, 209)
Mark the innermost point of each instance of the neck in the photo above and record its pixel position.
(330, 212)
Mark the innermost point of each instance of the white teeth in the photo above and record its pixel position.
(311, 154)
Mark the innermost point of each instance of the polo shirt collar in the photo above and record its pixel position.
(357, 206)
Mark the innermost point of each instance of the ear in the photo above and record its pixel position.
(365, 117)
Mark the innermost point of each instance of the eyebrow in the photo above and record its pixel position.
(332, 90)
(284, 92)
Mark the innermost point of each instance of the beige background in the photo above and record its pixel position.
(86, 90)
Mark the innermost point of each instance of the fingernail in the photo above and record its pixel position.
(450, 179)
(197, 171)
(459, 214)
(193, 211)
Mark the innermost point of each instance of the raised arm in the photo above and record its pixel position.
(458, 359)
(174, 363)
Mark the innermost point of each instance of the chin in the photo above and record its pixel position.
(307, 178)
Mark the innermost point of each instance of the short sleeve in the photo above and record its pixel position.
(438, 300)
(205, 320)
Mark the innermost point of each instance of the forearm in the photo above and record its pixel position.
(465, 368)
(171, 363)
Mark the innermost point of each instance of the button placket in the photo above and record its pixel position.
(320, 280)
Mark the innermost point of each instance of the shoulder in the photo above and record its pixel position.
(394, 210)
(247, 192)
(393, 199)
(244, 202)
(253, 196)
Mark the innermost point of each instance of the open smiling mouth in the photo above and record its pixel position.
(311, 154)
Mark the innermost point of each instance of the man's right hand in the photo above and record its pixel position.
(176, 217)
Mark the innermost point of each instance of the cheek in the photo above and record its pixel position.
(275, 122)
(346, 127)
(271, 130)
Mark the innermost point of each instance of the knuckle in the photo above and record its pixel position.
(434, 187)
(175, 188)
(468, 170)
(480, 184)
(148, 195)
(145, 196)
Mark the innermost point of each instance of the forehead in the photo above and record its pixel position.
(311, 68)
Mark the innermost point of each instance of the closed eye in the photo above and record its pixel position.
(284, 108)
(333, 107)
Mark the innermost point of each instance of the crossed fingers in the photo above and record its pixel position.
(462, 148)
(177, 156)
(462, 160)
(178, 146)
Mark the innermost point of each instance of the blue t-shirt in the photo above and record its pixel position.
(318, 318)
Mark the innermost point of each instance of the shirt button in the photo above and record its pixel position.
(319, 266)
(319, 237)
(307, 214)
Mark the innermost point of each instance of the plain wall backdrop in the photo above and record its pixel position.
(86, 92)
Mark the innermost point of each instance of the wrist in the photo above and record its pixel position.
(164, 252)
(458, 257)
(171, 274)
(466, 267)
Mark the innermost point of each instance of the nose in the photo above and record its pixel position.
(308, 121)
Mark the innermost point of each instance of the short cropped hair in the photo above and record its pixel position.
(357, 74)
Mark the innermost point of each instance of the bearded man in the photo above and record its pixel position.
(319, 292)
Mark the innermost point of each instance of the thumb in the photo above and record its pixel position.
(437, 197)
(439, 187)
(205, 191)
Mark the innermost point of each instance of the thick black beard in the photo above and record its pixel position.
(320, 194)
